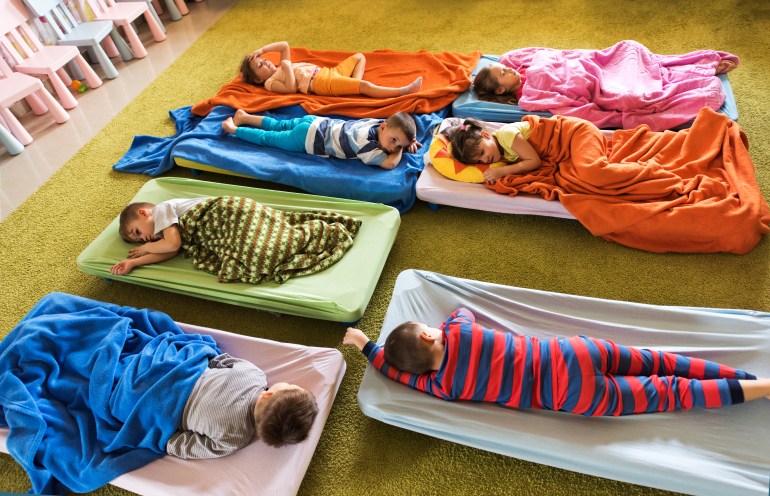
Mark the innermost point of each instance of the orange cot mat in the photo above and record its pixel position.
(690, 191)
(445, 76)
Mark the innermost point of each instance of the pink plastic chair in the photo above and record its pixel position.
(13, 87)
(123, 14)
(30, 56)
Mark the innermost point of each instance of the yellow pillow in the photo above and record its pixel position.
(440, 153)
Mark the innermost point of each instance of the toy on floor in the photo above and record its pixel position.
(79, 86)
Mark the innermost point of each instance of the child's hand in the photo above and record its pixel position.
(256, 53)
(122, 268)
(355, 337)
(137, 251)
(414, 146)
(492, 174)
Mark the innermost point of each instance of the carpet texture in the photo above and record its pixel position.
(40, 241)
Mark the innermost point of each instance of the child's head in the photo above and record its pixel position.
(398, 131)
(256, 70)
(497, 83)
(136, 223)
(473, 144)
(410, 347)
(284, 414)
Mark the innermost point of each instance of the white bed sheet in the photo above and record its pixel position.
(257, 469)
(710, 452)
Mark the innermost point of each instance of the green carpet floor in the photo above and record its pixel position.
(40, 241)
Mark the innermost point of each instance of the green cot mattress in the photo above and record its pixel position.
(339, 293)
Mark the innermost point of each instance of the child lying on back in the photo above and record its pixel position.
(587, 376)
(302, 77)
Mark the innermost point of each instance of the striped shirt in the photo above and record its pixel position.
(345, 139)
(581, 375)
(218, 417)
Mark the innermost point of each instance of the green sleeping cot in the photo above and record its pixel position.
(339, 293)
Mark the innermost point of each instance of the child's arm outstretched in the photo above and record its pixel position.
(529, 161)
(150, 253)
(125, 266)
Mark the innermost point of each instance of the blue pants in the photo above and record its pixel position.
(284, 134)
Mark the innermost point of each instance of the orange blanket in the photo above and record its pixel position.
(690, 191)
(445, 76)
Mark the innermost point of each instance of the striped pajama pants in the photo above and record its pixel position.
(590, 376)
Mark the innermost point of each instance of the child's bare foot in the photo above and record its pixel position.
(229, 126)
(725, 65)
(243, 118)
(412, 88)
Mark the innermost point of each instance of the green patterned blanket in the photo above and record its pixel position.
(239, 239)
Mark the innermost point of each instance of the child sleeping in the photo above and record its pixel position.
(93, 390)
(582, 375)
(214, 232)
(622, 86)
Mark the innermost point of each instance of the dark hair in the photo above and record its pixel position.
(128, 215)
(248, 74)
(406, 351)
(465, 139)
(287, 417)
(405, 123)
(485, 86)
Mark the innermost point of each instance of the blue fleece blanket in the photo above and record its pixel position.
(92, 390)
(202, 140)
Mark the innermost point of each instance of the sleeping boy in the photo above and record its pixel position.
(231, 403)
(373, 141)
(215, 233)
(587, 376)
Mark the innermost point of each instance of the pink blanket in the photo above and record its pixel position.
(622, 86)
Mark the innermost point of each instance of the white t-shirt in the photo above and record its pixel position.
(167, 213)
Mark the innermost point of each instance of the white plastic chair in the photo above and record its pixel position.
(123, 14)
(90, 35)
(30, 56)
(13, 87)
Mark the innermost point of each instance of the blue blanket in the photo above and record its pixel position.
(92, 390)
(202, 140)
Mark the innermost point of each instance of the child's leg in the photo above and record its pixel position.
(292, 140)
(374, 91)
(585, 379)
(616, 359)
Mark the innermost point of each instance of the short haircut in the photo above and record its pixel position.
(405, 123)
(287, 417)
(406, 351)
(485, 85)
(248, 74)
(128, 215)
(465, 140)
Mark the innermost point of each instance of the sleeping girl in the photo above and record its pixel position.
(302, 77)
(621, 86)
(473, 143)
(215, 233)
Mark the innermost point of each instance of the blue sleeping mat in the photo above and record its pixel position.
(201, 144)
(716, 452)
(469, 105)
